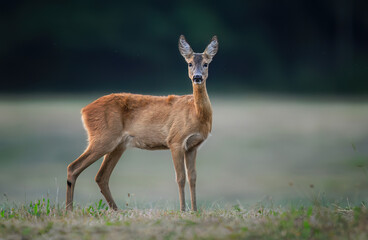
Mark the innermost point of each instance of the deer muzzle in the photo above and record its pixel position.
(197, 79)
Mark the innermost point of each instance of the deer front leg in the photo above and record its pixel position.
(190, 163)
(178, 159)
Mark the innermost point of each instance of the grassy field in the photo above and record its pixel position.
(274, 167)
(40, 220)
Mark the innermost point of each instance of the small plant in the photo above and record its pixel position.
(98, 208)
(39, 207)
(100, 205)
(48, 207)
(236, 207)
(35, 208)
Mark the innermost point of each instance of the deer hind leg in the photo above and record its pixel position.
(190, 163)
(178, 159)
(103, 175)
(75, 168)
(95, 151)
(104, 133)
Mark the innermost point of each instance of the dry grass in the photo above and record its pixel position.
(39, 220)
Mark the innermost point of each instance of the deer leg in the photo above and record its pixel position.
(178, 159)
(75, 168)
(95, 151)
(103, 175)
(190, 162)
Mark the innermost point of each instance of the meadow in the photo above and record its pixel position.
(275, 167)
(40, 220)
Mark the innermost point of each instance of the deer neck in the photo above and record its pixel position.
(202, 103)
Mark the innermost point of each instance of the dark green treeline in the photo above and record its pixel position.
(274, 46)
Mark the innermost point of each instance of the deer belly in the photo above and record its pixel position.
(148, 142)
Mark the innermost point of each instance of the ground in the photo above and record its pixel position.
(40, 220)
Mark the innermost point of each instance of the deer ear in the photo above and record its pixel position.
(212, 48)
(184, 48)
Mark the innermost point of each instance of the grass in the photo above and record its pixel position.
(40, 220)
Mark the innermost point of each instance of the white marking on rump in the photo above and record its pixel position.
(85, 128)
(84, 124)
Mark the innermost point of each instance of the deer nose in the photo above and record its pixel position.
(197, 78)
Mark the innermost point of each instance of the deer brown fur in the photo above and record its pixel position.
(179, 123)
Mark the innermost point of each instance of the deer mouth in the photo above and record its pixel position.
(197, 80)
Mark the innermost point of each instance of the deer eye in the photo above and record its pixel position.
(205, 65)
(190, 64)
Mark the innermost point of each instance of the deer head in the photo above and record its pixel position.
(198, 62)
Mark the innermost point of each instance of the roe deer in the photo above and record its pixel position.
(179, 123)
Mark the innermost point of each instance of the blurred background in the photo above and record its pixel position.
(288, 87)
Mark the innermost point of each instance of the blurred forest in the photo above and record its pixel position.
(315, 47)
